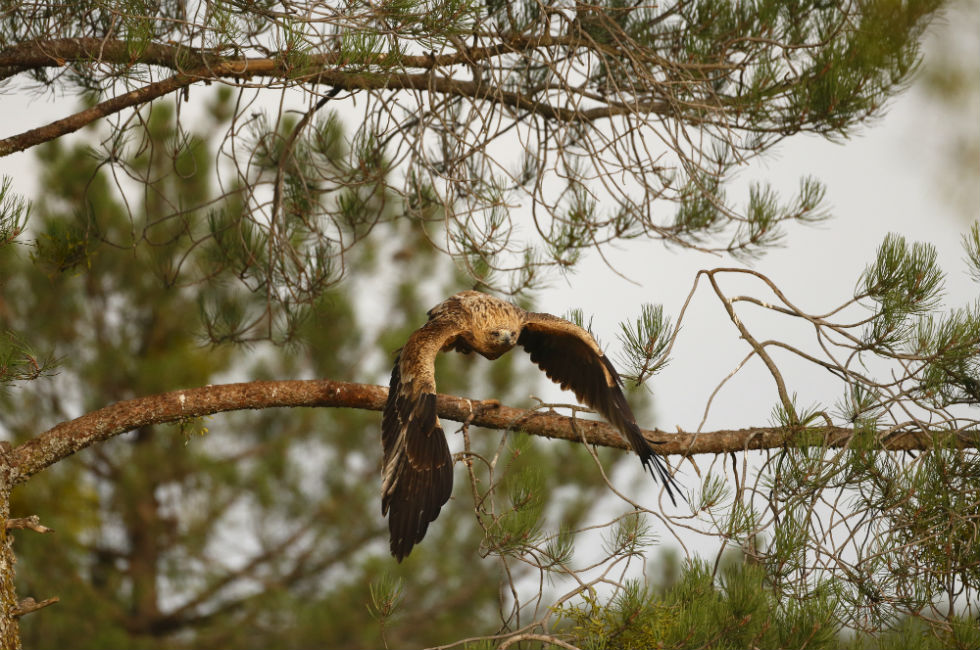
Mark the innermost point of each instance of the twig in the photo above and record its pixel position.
(29, 605)
(32, 523)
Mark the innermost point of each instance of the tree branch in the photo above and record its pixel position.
(320, 69)
(69, 437)
(74, 122)
(57, 52)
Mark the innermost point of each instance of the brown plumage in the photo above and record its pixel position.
(418, 469)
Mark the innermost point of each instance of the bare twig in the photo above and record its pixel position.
(29, 605)
(31, 523)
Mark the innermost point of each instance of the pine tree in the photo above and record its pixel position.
(512, 138)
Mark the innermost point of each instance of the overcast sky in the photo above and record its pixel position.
(885, 179)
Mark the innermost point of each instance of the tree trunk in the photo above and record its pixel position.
(9, 625)
(141, 518)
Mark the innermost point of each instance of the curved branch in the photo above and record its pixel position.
(69, 437)
(319, 69)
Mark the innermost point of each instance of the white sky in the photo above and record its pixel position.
(878, 182)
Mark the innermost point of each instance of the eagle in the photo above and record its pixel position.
(417, 474)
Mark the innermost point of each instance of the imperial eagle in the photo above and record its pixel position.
(417, 475)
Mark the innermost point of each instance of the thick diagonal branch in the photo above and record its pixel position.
(76, 121)
(68, 437)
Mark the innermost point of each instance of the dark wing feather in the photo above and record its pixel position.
(570, 357)
(418, 469)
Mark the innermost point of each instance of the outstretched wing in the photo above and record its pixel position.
(417, 475)
(570, 356)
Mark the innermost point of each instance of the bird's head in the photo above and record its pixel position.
(503, 337)
(498, 341)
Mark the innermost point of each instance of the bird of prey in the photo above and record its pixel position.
(417, 474)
